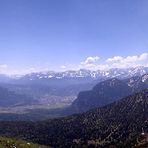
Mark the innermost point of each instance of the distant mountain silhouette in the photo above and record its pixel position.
(9, 98)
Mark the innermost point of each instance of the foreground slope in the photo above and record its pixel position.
(119, 124)
(14, 143)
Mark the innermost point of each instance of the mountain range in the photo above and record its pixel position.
(59, 89)
(103, 93)
(118, 124)
(109, 91)
(111, 111)
(83, 73)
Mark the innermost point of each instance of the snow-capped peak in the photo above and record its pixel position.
(83, 73)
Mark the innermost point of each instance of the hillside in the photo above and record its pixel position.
(103, 93)
(118, 124)
(109, 91)
(138, 83)
(15, 143)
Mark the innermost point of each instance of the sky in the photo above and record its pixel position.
(38, 35)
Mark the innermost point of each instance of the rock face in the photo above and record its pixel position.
(109, 91)
(138, 83)
(103, 93)
(117, 124)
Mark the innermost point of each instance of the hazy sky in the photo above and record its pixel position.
(66, 34)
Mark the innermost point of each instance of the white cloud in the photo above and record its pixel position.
(91, 60)
(114, 59)
(3, 68)
(129, 61)
(143, 56)
(115, 62)
(89, 63)
(63, 67)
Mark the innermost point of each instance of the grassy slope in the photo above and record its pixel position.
(9, 143)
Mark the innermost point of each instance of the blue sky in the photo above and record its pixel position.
(64, 34)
